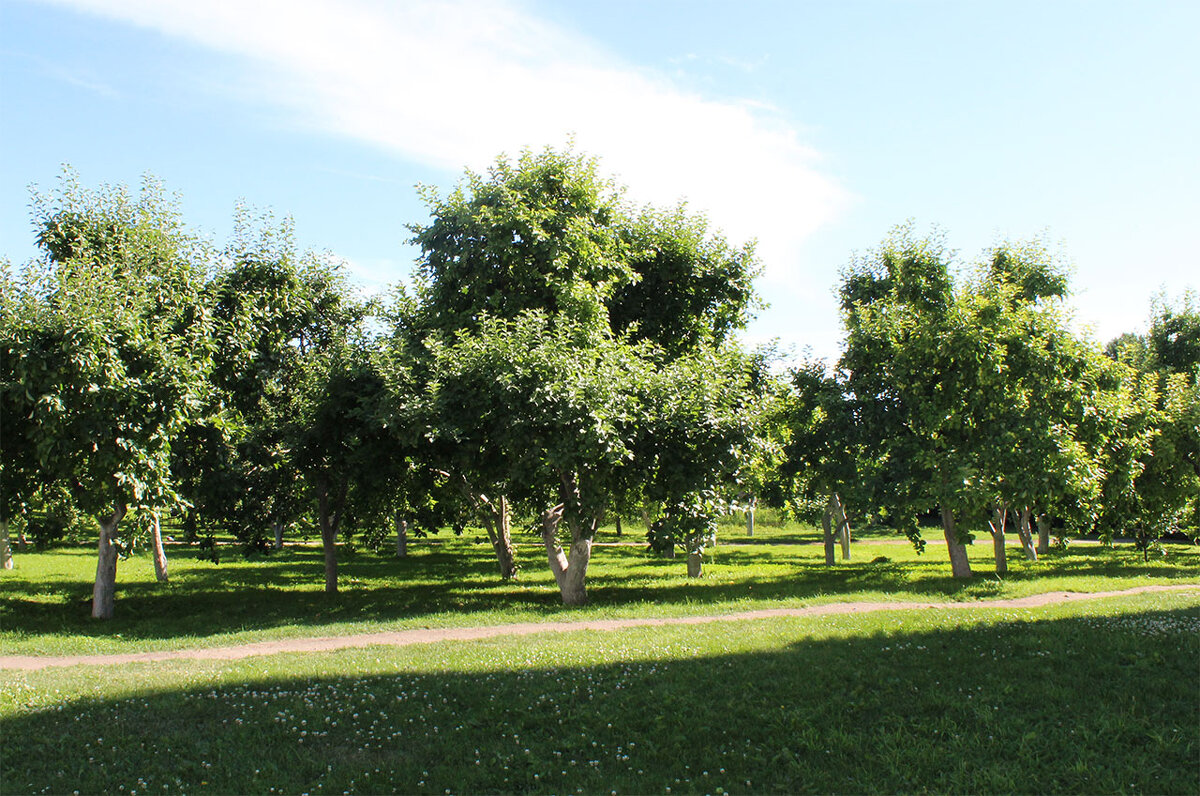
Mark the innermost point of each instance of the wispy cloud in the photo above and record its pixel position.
(452, 83)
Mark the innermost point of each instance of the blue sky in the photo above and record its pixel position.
(813, 127)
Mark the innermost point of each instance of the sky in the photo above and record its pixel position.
(812, 128)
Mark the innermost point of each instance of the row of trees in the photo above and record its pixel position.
(976, 398)
(563, 357)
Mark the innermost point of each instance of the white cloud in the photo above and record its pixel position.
(452, 83)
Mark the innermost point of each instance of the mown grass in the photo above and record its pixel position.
(448, 581)
(1091, 697)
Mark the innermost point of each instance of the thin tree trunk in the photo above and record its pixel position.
(6, 556)
(843, 529)
(22, 542)
(1043, 525)
(496, 523)
(105, 589)
(827, 532)
(278, 529)
(401, 536)
(960, 567)
(160, 555)
(996, 526)
(618, 525)
(750, 507)
(1025, 531)
(190, 534)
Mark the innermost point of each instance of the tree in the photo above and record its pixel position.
(111, 346)
(1037, 389)
(1153, 462)
(821, 458)
(696, 443)
(532, 319)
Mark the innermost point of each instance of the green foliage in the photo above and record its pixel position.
(106, 346)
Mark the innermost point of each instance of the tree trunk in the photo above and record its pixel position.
(960, 567)
(843, 527)
(22, 542)
(996, 526)
(575, 590)
(278, 528)
(190, 531)
(160, 555)
(1043, 525)
(401, 536)
(618, 525)
(105, 589)
(750, 507)
(1025, 531)
(329, 517)
(6, 556)
(695, 564)
(827, 532)
(570, 573)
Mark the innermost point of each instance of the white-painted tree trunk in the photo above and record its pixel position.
(401, 536)
(1043, 526)
(827, 532)
(695, 564)
(996, 526)
(6, 556)
(156, 543)
(960, 566)
(843, 526)
(570, 571)
(105, 589)
(1025, 531)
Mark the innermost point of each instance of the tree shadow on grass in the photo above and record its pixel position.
(905, 710)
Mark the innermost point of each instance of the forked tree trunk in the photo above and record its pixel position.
(996, 526)
(750, 507)
(401, 536)
(843, 526)
(960, 567)
(1043, 526)
(278, 529)
(1025, 531)
(156, 543)
(105, 589)
(6, 556)
(570, 572)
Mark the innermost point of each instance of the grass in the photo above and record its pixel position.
(447, 581)
(1086, 697)
(1096, 697)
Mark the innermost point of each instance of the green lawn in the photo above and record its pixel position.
(1089, 697)
(448, 581)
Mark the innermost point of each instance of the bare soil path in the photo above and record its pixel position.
(402, 638)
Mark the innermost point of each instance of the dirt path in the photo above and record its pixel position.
(402, 638)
